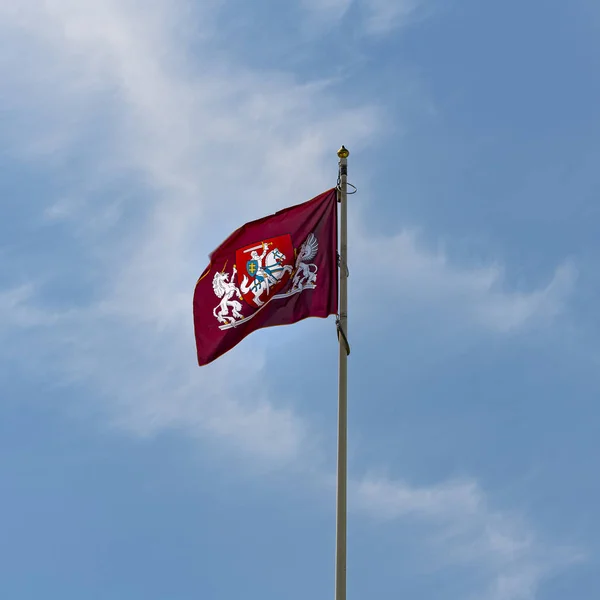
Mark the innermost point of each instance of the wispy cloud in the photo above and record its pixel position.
(189, 139)
(468, 531)
(479, 296)
(17, 309)
(332, 10)
(383, 16)
(374, 17)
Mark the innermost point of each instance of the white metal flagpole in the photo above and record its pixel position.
(344, 350)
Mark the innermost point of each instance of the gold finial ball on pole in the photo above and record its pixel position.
(343, 152)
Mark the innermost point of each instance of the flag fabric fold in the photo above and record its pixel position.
(277, 270)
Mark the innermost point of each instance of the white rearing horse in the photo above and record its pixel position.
(226, 290)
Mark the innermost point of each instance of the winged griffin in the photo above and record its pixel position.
(226, 290)
(305, 273)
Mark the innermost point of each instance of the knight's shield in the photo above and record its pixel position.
(252, 267)
(264, 268)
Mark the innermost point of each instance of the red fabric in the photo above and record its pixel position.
(283, 268)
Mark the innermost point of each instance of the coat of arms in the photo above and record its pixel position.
(264, 268)
(263, 271)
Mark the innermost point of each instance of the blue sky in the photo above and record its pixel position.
(136, 135)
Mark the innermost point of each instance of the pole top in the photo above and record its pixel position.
(343, 152)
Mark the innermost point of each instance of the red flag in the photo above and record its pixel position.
(274, 271)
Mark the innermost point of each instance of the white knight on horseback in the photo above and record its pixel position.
(265, 274)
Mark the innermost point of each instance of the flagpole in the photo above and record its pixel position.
(344, 350)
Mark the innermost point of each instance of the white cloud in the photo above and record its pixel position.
(470, 532)
(428, 281)
(390, 500)
(194, 136)
(507, 312)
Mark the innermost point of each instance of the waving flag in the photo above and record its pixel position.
(274, 271)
